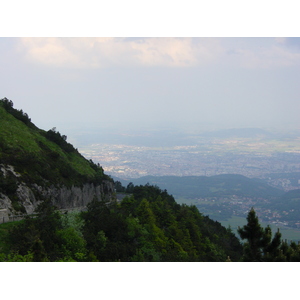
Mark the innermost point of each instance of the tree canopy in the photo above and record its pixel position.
(261, 246)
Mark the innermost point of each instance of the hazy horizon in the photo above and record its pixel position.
(153, 83)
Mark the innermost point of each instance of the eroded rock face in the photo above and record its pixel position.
(5, 205)
(61, 196)
(64, 197)
(27, 197)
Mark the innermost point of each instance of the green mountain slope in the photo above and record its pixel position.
(33, 161)
(41, 155)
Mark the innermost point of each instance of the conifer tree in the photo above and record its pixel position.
(255, 236)
(260, 246)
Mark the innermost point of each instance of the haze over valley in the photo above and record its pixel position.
(255, 153)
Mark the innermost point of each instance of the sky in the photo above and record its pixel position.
(152, 81)
(229, 82)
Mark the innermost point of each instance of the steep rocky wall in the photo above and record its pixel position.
(63, 197)
(75, 196)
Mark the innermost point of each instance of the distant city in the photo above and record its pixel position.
(275, 159)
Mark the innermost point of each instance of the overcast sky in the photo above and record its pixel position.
(231, 82)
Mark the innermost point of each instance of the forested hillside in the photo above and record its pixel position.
(146, 226)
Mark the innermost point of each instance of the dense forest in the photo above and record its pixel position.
(146, 226)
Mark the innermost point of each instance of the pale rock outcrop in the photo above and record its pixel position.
(61, 196)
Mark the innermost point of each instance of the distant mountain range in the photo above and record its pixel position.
(239, 133)
(214, 186)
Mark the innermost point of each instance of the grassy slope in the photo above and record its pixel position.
(17, 141)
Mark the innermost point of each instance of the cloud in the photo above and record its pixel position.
(266, 53)
(104, 52)
(177, 51)
(93, 53)
(49, 51)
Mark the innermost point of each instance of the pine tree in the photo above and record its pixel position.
(255, 236)
(260, 246)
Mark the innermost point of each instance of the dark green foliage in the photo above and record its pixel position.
(18, 114)
(99, 173)
(15, 257)
(7, 104)
(119, 188)
(130, 188)
(8, 184)
(48, 236)
(255, 236)
(152, 229)
(105, 232)
(290, 252)
(260, 246)
(224, 237)
(150, 226)
(38, 234)
(60, 140)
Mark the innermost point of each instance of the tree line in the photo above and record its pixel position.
(146, 226)
(17, 113)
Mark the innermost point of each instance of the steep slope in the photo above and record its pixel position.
(37, 164)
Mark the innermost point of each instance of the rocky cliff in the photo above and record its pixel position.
(27, 196)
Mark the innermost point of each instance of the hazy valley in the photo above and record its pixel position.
(253, 153)
(272, 157)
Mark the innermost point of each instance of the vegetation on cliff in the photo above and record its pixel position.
(39, 157)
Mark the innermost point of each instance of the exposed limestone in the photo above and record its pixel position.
(9, 168)
(5, 208)
(61, 196)
(75, 196)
